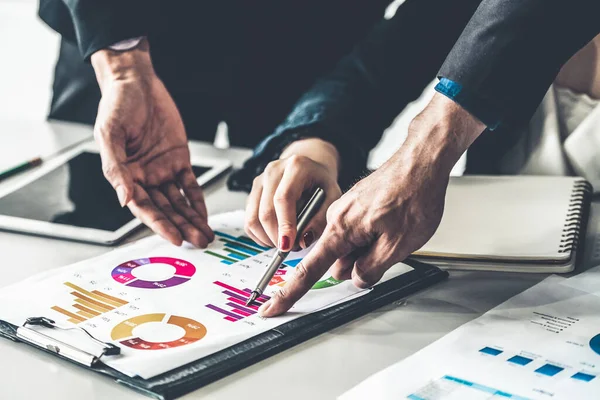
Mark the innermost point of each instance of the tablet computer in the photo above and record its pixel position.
(69, 198)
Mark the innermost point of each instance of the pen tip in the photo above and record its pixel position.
(253, 297)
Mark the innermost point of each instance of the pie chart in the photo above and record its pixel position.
(158, 331)
(595, 344)
(154, 272)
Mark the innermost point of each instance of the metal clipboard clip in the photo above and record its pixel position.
(69, 351)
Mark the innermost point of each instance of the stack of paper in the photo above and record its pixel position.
(541, 344)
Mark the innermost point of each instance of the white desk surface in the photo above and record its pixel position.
(321, 368)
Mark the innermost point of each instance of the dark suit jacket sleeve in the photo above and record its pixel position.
(353, 105)
(96, 24)
(511, 51)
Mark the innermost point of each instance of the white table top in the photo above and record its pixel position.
(321, 368)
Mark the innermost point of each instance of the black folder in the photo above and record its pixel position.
(199, 373)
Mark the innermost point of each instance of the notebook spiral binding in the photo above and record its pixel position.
(572, 230)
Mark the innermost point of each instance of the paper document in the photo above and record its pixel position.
(541, 344)
(166, 306)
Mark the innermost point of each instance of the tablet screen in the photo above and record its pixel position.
(75, 193)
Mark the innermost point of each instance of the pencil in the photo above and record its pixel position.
(27, 165)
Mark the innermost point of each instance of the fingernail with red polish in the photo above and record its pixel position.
(284, 243)
(309, 238)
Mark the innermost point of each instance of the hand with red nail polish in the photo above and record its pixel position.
(273, 203)
(392, 212)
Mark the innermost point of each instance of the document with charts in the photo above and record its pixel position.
(165, 306)
(541, 344)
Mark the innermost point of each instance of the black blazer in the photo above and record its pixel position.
(505, 53)
(238, 60)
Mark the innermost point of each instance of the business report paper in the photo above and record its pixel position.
(541, 344)
(165, 306)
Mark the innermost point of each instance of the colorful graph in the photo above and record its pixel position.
(125, 333)
(235, 248)
(292, 263)
(235, 308)
(124, 273)
(89, 304)
(548, 370)
(238, 248)
(279, 280)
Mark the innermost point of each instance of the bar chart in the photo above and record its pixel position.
(88, 304)
(547, 370)
(520, 360)
(490, 351)
(234, 307)
(235, 248)
(582, 376)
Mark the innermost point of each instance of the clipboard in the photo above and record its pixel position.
(190, 377)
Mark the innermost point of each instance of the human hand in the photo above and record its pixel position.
(392, 212)
(144, 148)
(271, 208)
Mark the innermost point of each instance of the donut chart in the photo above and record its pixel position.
(124, 273)
(595, 344)
(123, 332)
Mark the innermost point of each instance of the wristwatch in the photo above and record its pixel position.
(126, 44)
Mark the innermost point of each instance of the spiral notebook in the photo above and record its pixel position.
(516, 224)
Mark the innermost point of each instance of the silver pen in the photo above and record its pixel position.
(304, 217)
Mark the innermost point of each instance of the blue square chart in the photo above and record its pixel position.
(491, 351)
(548, 370)
(582, 376)
(519, 360)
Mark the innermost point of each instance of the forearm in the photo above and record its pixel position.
(438, 136)
(122, 65)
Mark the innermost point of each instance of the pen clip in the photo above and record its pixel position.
(67, 350)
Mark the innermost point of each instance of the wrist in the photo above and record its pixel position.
(317, 150)
(440, 134)
(114, 65)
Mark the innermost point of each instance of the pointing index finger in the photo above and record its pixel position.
(328, 249)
